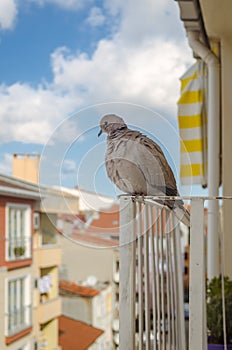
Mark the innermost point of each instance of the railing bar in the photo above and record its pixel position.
(153, 270)
(180, 287)
(147, 284)
(170, 260)
(140, 278)
(175, 273)
(127, 273)
(168, 280)
(197, 322)
(221, 235)
(157, 238)
(162, 281)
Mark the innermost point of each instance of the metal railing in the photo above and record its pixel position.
(18, 248)
(48, 238)
(151, 278)
(151, 305)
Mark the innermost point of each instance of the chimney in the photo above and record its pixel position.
(26, 166)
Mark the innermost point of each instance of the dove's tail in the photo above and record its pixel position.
(182, 214)
(179, 210)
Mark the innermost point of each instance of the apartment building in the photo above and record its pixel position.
(30, 257)
(89, 239)
(47, 260)
(17, 203)
(77, 335)
(92, 221)
(47, 304)
(90, 248)
(90, 303)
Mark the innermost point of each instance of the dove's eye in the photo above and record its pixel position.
(105, 123)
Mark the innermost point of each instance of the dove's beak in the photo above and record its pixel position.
(100, 132)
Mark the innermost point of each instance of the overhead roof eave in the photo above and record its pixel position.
(191, 16)
(19, 193)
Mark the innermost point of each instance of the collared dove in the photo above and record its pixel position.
(137, 165)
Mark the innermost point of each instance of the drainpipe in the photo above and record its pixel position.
(213, 149)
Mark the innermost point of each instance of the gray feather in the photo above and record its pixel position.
(137, 165)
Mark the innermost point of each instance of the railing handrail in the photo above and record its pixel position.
(197, 267)
(145, 198)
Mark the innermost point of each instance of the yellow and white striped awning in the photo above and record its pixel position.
(193, 126)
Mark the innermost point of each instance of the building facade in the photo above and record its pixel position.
(16, 265)
(30, 257)
(212, 25)
(91, 305)
(47, 304)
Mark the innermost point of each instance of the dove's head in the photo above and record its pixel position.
(110, 123)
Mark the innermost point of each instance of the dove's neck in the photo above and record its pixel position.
(117, 132)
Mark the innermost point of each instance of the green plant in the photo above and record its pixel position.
(19, 251)
(214, 310)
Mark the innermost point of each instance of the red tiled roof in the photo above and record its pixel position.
(76, 335)
(73, 288)
(95, 239)
(72, 217)
(108, 220)
(102, 232)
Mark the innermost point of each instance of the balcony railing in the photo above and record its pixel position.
(48, 238)
(18, 248)
(151, 307)
(48, 254)
(49, 310)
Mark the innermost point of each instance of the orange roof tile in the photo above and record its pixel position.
(95, 239)
(108, 220)
(76, 335)
(74, 288)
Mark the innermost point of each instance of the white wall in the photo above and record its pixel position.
(79, 262)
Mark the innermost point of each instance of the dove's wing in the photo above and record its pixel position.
(137, 165)
(150, 159)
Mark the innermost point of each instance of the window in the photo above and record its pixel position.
(36, 221)
(48, 229)
(18, 305)
(18, 231)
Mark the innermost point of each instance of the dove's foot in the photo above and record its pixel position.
(136, 196)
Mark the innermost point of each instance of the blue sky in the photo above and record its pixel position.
(64, 64)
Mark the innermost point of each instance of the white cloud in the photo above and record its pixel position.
(9, 9)
(8, 13)
(148, 75)
(96, 17)
(65, 4)
(30, 115)
(147, 18)
(140, 63)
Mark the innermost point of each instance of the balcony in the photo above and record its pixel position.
(49, 310)
(18, 248)
(48, 256)
(151, 307)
